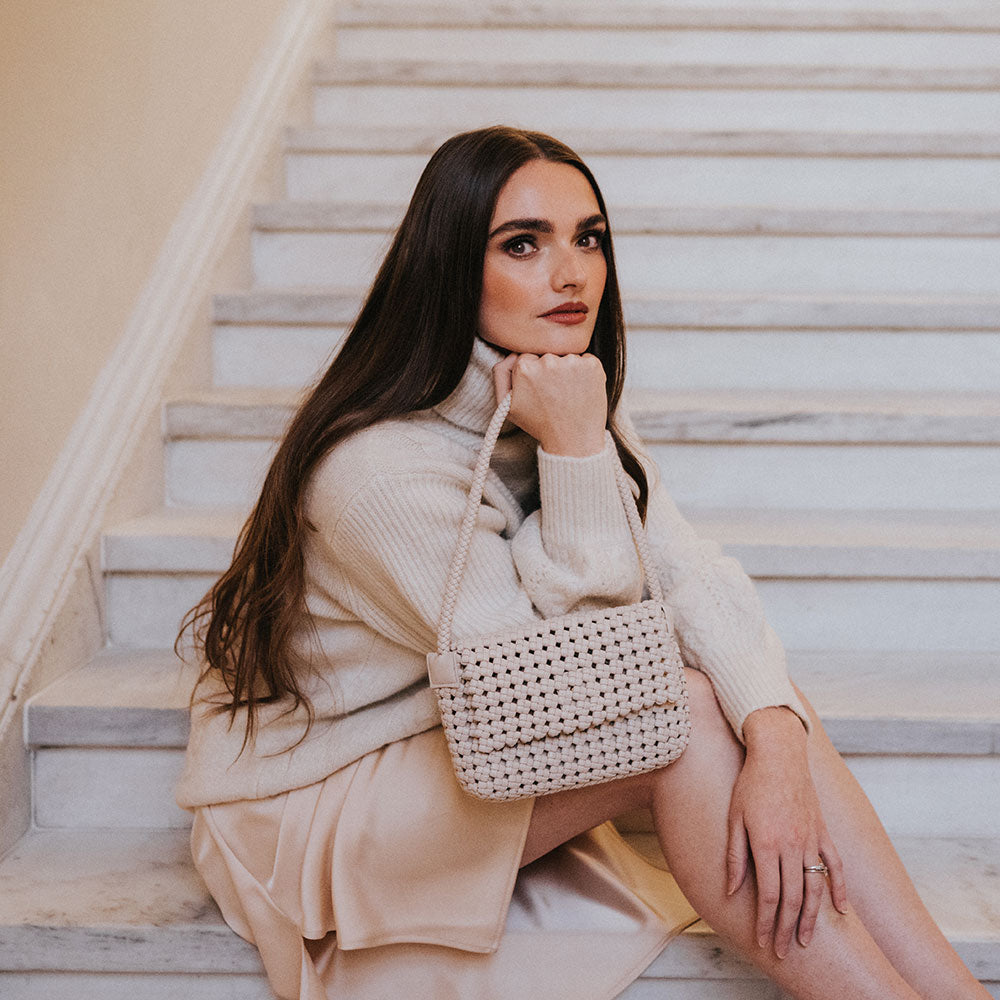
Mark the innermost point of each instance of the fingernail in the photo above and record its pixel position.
(761, 941)
(804, 939)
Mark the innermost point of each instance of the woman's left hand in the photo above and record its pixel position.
(775, 816)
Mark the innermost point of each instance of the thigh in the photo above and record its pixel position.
(563, 815)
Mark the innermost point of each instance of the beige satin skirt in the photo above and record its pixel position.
(386, 880)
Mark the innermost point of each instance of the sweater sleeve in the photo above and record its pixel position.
(576, 551)
(394, 543)
(717, 613)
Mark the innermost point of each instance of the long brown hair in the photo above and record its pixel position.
(407, 350)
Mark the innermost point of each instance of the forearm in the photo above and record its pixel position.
(719, 618)
(577, 549)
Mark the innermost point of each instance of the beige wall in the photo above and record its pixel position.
(109, 111)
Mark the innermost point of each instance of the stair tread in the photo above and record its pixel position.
(558, 13)
(121, 900)
(693, 76)
(768, 542)
(733, 220)
(312, 305)
(424, 140)
(871, 702)
(121, 698)
(759, 416)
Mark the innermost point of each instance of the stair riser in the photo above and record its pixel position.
(684, 181)
(710, 264)
(915, 796)
(552, 108)
(206, 472)
(913, 50)
(682, 359)
(272, 355)
(144, 611)
(107, 787)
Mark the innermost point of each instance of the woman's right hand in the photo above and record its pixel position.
(560, 400)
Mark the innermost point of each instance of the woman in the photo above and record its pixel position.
(328, 821)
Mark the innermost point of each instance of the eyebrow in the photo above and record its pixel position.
(544, 226)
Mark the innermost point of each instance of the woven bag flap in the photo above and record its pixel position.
(565, 675)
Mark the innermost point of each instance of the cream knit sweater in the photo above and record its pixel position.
(386, 504)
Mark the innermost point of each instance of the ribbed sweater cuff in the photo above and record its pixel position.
(758, 679)
(579, 498)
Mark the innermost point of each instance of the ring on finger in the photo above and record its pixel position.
(820, 869)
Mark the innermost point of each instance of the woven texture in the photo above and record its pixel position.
(571, 701)
(566, 701)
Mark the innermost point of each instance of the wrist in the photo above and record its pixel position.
(764, 726)
(573, 446)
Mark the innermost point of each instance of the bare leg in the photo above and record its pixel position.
(881, 891)
(690, 803)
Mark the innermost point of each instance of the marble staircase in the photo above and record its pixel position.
(807, 213)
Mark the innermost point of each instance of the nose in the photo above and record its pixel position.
(567, 269)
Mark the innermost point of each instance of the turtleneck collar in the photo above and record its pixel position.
(473, 402)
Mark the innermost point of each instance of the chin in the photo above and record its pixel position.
(559, 342)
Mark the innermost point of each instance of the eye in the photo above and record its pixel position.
(592, 240)
(520, 246)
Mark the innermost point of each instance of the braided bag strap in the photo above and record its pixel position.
(461, 553)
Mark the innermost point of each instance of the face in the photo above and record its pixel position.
(544, 270)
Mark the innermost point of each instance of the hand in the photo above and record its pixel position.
(775, 815)
(560, 400)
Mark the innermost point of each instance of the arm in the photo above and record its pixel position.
(393, 543)
(718, 615)
(774, 814)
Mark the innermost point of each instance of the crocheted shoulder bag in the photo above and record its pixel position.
(562, 702)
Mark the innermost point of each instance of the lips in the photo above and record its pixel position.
(567, 314)
(568, 310)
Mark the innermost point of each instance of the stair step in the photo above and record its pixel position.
(912, 580)
(921, 753)
(895, 15)
(760, 187)
(653, 77)
(423, 140)
(286, 338)
(908, 450)
(211, 472)
(813, 417)
(769, 543)
(700, 49)
(136, 905)
(871, 702)
(545, 107)
(294, 355)
(121, 698)
(743, 263)
(699, 473)
(701, 310)
(340, 217)
(921, 748)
